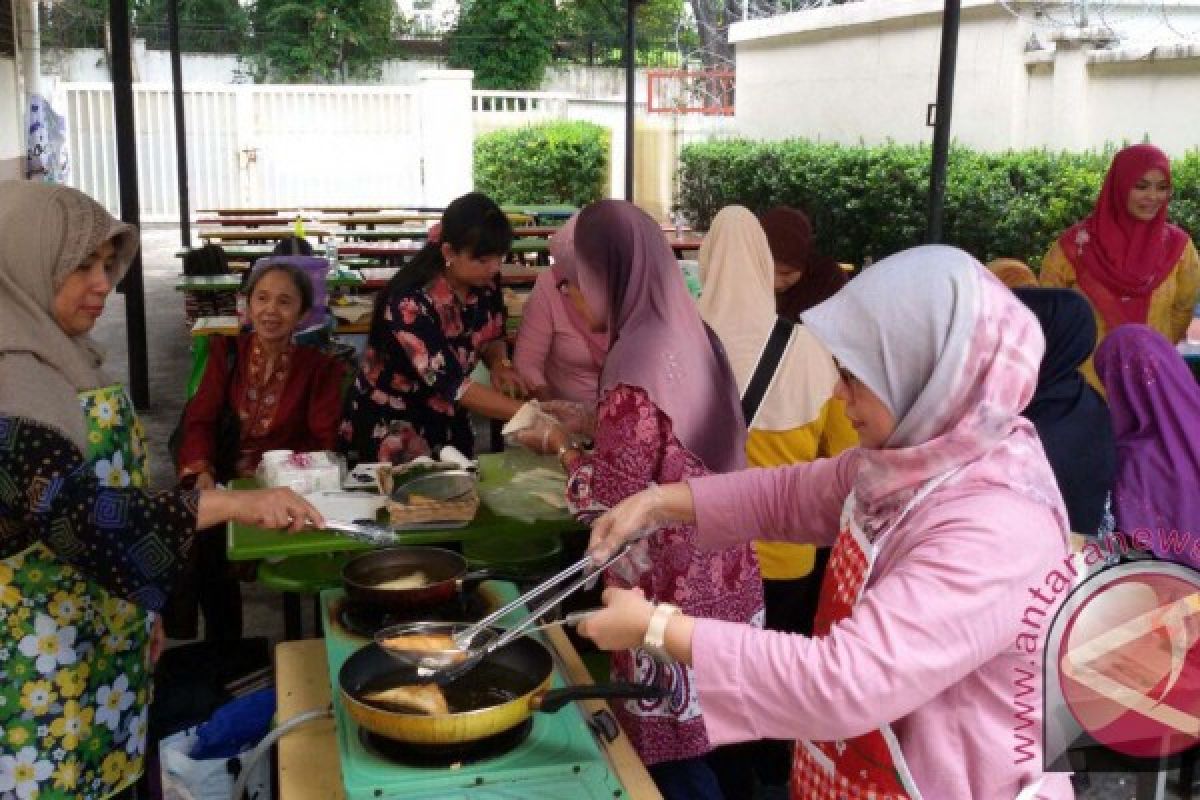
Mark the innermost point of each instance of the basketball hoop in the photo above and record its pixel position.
(682, 91)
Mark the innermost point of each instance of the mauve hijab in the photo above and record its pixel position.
(1155, 405)
(630, 278)
(1070, 416)
(566, 268)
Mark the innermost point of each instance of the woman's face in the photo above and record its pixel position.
(79, 302)
(464, 269)
(866, 412)
(786, 276)
(275, 307)
(1149, 195)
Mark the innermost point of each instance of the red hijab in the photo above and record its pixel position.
(1120, 260)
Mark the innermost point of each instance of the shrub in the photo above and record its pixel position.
(554, 162)
(871, 201)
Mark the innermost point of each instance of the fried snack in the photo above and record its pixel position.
(421, 500)
(424, 698)
(413, 580)
(427, 642)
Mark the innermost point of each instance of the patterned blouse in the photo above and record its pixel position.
(404, 402)
(635, 448)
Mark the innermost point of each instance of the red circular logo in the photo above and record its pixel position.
(1130, 664)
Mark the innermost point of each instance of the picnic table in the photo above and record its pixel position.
(261, 234)
(249, 221)
(370, 220)
(293, 210)
(382, 234)
(394, 252)
(543, 214)
(344, 279)
(230, 326)
(247, 542)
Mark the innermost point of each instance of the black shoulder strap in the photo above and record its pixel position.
(768, 363)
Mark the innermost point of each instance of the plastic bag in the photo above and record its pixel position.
(187, 778)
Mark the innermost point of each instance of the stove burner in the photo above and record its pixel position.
(364, 619)
(445, 755)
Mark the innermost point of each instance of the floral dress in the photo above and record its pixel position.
(404, 402)
(635, 448)
(83, 551)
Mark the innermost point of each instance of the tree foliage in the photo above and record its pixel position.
(658, 21)
(508, 43)
(205, 26)
(554, 162)
(321, 41)
(73, 23)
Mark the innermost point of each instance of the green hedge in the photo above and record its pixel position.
(871, 201)
(555, 162)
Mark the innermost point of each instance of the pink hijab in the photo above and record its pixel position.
(1120, 260)
(566, 268)
(955, 357)
(630, 278)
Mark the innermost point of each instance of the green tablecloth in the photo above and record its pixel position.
(231, 283)
(246, 542)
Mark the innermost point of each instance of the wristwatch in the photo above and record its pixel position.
(654, 642)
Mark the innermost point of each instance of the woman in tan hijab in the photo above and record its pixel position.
(87, 552)
(1013, 273)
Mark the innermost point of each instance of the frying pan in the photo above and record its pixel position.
(509, 685)
(445, 572)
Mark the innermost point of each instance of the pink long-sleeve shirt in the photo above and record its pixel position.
(932, 646)
(551, 351)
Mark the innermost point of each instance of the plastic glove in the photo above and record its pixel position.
(545, 436)
(636, 515)
(575, 417)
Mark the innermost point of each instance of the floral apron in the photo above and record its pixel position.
(871, 765)
(75, 681)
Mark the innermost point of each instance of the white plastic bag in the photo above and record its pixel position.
(185, 778)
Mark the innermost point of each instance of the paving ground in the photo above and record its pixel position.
(169, 365)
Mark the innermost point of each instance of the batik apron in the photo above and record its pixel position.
(871, 765)
(75, 685)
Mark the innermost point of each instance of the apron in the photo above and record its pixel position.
(75, 687)
(870, 765)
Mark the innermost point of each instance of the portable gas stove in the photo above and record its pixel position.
(549, 756)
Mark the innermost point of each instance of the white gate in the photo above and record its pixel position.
(251, 145)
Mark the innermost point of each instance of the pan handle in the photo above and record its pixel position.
(555, 699)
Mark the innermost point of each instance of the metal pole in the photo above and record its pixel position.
(941, 123)
(630, 78)
(181, 165)
(126, 132)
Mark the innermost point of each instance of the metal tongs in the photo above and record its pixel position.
(443, 666)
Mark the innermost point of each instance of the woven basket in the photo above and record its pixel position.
(460, 510)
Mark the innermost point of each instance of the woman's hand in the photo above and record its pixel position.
(507, 380)
(205, 480)
(621, 624)
(281, 509)
(158, 639)
(543, 437)
(575, 417)
(632, 516)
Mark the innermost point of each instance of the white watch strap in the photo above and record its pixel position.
(656, 630)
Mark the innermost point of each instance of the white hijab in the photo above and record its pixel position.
(46, 231)
(738, 303)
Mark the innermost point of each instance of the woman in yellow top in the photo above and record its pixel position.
(798, 419)
(1130, 263)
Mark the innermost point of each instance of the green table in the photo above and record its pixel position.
(246, 542)
(545, 214)
(231, 283)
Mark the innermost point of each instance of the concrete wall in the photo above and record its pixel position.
(12, 143)
(867, 71)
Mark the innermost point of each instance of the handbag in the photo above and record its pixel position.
(764, 371)
(228, 428)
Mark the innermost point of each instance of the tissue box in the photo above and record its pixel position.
(302, 472)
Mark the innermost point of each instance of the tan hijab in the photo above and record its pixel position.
(46, 231)
(738, 303)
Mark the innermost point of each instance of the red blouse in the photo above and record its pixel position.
(295, 407)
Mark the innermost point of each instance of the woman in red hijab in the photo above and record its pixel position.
(803, 276)
(1131, 264)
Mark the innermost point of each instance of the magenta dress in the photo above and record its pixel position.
(635, 447)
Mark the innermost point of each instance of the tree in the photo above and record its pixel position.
(508, 43)
(321, 41)
(713, 18)
(604, 21)
(205, 26)
(73, 23)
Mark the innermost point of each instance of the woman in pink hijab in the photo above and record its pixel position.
(558, 354)
(945, 516)
(668, 411)
(1131, 264)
